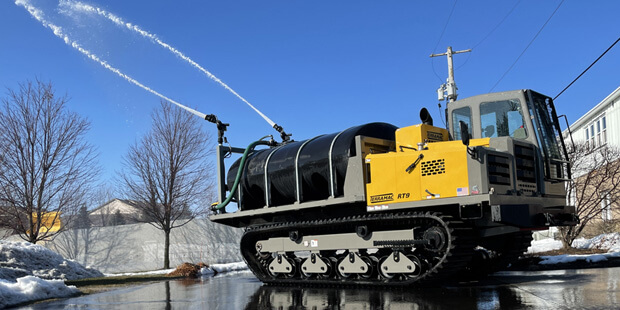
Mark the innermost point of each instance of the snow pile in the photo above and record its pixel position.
(219, 268)
(229, 267)
(20, 259)
(563, 259)
(30, 272)
(609, 242)
(30, 288)
(544, 245)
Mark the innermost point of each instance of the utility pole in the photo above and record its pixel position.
(448, 90)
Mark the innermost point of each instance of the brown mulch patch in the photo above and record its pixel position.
(187, 270)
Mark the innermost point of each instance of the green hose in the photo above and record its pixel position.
(248, 149)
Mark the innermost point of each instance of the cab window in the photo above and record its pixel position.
(501, 119)
(460, 114)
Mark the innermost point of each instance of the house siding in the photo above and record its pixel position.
(610, 109)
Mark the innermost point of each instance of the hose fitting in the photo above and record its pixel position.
(247, 151)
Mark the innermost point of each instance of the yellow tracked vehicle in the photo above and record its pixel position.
(380, 205)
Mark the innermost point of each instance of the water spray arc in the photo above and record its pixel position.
(39, 16)
(78, 6)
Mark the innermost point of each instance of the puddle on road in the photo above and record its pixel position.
(588, 288)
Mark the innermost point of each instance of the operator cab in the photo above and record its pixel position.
(520, 114)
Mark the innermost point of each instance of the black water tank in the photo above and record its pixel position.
(313, 163)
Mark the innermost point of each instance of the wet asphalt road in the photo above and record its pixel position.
(560, 289)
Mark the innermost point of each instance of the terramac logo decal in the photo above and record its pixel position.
(434, 136)
(381, 198)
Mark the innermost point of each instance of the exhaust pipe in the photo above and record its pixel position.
(425, 117)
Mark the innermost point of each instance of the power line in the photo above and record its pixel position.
(490, 32)
(440, 37)
(588, 68)
(528, 45)
(499, 24)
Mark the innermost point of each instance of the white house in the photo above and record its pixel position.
(124, 211)
(600, 125)
(110, 211)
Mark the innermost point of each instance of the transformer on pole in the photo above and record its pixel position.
(448, 90)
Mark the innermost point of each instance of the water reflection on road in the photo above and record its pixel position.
(563, 289)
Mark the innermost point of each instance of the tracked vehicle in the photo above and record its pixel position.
(380, 205)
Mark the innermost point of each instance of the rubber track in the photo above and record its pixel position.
(456, 257)
(521, 241)
(511, 246)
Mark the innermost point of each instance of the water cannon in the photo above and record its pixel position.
(221, 127)
(285, 136)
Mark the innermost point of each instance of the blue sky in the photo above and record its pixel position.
(313, 67)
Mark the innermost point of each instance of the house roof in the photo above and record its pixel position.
(584, 119)
(125, 202)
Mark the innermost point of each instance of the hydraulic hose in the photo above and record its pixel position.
(247, 151)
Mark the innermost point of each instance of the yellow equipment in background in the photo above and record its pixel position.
(50, 222)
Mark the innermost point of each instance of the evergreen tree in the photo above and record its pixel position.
(117, 219)
(82, 220)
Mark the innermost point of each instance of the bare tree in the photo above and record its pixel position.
(47, 166)
(168, 172)
(596, 181)
(7, 222)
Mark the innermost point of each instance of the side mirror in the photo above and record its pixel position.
(464, 133)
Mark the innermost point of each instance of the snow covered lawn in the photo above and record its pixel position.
(566, 258)
(215, 268)
(141, 273)
(608, 242)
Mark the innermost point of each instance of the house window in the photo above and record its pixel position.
(587, 137)
(606, 206)
(592, 142)
(598, 132)
(604, 132)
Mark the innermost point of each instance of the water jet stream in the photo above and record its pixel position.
(83, 7)
(38, 15)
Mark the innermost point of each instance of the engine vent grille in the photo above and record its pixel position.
(527, 188)
(433, 167)
(526, 164)
(499, 169)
